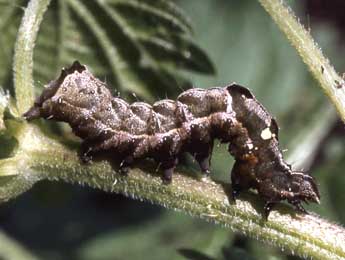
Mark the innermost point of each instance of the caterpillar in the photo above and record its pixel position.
(168, 128)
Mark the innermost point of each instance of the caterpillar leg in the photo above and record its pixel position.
(85, 153)
(168, 167)
(90, 147)
(126, 164)
(204, 163)
(268, 208)
(236, 189)
(241, 178)
(235, 181)
(298, 206)
(204, 159)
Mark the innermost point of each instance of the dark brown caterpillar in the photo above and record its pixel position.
(168, 128)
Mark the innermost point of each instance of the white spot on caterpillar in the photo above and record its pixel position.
(250, 146)
(298, 173)
(266, 134)
(229, 104)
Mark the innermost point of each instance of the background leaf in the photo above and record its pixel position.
(148, 47)
(116, 40)
(3, 104)
(10, 15)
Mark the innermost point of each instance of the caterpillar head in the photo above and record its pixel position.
(42, 106)
(304, 187)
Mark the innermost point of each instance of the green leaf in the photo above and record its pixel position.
(171, 234)
(10, 248)
(178, 51)
(118, 41)
(3, 105)
(10, 14)
(162, 13)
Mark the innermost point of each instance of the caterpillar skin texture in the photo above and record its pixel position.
(168, 128)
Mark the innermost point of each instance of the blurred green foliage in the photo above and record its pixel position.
(150, 49)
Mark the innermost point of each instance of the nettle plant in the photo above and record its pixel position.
(146, 47)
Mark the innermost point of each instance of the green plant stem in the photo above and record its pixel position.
(3, 105)
(303, 235)
(305, 145)
(309, 51)
(11, 249)
(23, 63)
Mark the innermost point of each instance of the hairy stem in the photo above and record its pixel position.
(11, 249)
(303, 235)
(3, 105)
(311, 54)
(23, 63)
